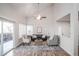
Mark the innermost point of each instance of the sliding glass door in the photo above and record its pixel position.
(6, 36)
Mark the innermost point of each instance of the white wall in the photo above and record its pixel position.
(60, 10)
(65, 28)
(65, 35)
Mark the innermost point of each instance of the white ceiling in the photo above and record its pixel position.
(26, 9)
(30, 8)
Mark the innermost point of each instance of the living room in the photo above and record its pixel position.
(40, 21)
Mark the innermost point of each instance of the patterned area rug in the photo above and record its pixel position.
(38, 48)
(39, 51)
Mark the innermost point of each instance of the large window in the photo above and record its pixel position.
(29, 29)
(22, 30)
(6, 35)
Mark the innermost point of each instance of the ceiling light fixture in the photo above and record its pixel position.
(39, 17)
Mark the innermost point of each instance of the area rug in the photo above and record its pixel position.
(39, 51)
(39, 48)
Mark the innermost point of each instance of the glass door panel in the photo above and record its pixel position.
(7, 36)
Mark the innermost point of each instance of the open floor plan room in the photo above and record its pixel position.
(39, 29)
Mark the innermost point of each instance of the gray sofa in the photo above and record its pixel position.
(53, 40)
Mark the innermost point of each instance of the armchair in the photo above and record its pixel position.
(26, 40)
(53, 40)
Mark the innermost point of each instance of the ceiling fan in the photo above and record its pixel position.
(39, 17)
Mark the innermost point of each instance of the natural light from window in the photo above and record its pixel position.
(29, 29)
